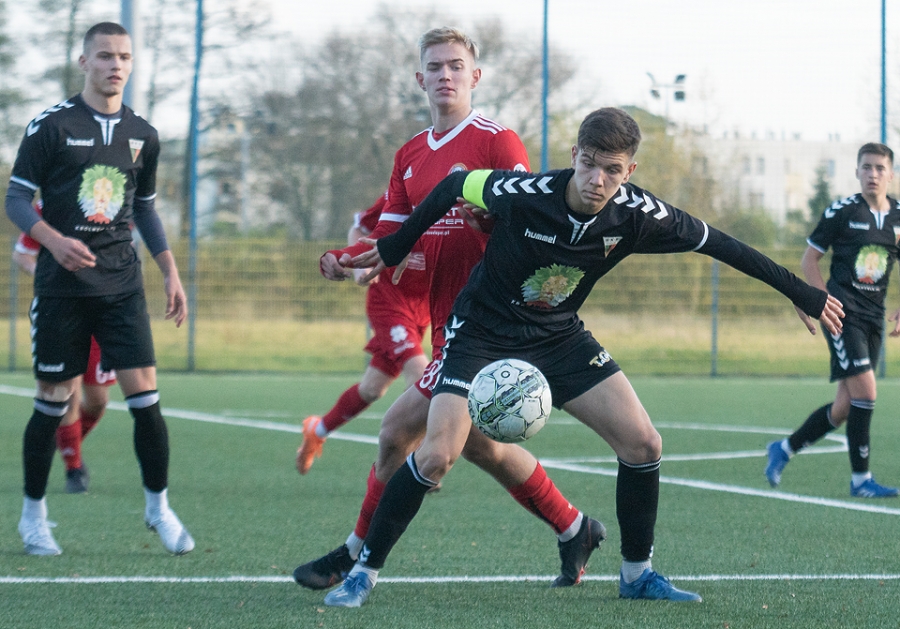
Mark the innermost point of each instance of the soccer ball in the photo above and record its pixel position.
(509, 400)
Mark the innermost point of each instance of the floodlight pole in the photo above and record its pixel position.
(545, 153)
(194, 142)
(674, 89)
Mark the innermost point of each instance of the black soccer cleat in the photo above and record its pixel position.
(77, 480)
(575, 553)
(325, 571)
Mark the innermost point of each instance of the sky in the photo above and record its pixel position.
(769, 68)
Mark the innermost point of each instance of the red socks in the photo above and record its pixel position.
(374, 489)
(88, 422)
(348, 406)
(540, 496)
(68, 442)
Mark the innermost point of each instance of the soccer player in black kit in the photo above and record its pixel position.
(94, 162)
(555, 235)
(863, 232)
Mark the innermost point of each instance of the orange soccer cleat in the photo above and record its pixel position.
(311, 448)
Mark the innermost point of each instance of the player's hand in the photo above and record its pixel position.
(477, 217)
(370, 260)
(72, 254)
(176, 300)
(334, 269)
(831, 317)
(895, 317)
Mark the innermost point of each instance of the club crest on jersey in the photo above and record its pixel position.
(135, 146)
(101, 193)
(871, 264)
(550, 285)
(456, 168)
(609, 243)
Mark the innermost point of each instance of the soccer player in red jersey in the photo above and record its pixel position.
(460, 139)
(88, 402)
(398, 316)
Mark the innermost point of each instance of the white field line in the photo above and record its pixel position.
(561, 464)
(440, 580)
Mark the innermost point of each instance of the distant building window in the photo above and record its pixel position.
(760, 165)
(747, 165)
(829, 167)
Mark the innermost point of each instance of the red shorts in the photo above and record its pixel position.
(398, 326)
(94, 375)
(429, 378)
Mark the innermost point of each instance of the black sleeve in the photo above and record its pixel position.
(148, 224)
(19, 206)
(395, 247)
(748, 260)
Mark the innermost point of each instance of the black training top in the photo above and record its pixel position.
(864, 246)
(543, 259)
(90, 169)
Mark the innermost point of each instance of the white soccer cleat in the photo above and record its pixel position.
(171, 531)
(37, 537)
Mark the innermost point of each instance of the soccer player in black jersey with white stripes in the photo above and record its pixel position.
(556, 234)
(863, 232)
(94, 162)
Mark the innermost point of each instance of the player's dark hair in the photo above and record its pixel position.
(609, 130)
(103, 28)
(875, 148)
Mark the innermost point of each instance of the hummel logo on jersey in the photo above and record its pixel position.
(135, 146)
(855, 225)
(408, 173)
(609, 243)
(525, 185)
(456, 382)
(542, 237)
(578, 229)
(76, 142)
(834, 207)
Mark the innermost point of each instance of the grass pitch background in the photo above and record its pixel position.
(758, 561)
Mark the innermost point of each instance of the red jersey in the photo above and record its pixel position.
(450, 247)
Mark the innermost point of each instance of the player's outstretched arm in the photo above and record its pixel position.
(176, 300)
(372, 260)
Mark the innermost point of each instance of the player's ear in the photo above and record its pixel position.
(476, 76)
(629, 171)
(82, 62)
(420, 79)
(574, 154)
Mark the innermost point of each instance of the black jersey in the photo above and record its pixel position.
(89, 169)
(543, 259)
(864, 246)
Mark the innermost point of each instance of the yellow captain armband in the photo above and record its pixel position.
(473, 186)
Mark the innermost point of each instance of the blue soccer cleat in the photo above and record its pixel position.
(651, 586)
(778, 458)
(871, 489)
(353, 592)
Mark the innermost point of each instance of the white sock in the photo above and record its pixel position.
(157, 502)
(372, 572)
(354, 545)
(573, 529)
(632, 570)
(34, 509)
(786, 447)
(321, 431)
(858, 478)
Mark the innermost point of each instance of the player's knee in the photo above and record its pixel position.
(434, 465)
(372, 392)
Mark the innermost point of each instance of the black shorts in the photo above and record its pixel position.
(61, 330)
(856, 349)
(573, 363)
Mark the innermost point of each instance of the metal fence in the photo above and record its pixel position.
(263, 306)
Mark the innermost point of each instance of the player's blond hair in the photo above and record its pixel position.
(446, 35)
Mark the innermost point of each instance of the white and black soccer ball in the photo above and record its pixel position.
(509, 400)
